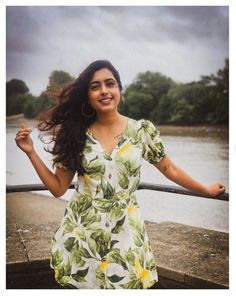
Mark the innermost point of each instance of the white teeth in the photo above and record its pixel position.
(105, 100)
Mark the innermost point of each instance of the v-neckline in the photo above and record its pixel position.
(101, 146)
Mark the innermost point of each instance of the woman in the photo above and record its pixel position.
(102, 241)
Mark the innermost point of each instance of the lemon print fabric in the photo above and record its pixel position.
(102, 242)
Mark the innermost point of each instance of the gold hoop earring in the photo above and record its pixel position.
(84, 113)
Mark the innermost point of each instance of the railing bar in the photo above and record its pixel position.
(179, 190)
(142, 185)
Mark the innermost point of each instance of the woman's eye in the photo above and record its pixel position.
(94, 87)
(110, 83)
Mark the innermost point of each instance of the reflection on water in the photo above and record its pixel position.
(204, 158)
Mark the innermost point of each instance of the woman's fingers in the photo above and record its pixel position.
(216, 189)
(23, 139)
(23, 133)
(23, 125)
(20, 137)
(24, 130)
(222, 188)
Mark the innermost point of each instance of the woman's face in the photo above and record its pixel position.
(103, 91)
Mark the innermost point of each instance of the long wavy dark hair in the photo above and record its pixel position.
(66, 123)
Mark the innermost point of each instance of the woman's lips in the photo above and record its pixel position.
(105, 101)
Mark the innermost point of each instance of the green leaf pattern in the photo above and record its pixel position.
(102, 242)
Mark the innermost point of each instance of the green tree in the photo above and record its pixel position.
(218, 92)
(57, 80)
(48, 98)
(162, 112)
(138, 105)
(35, 107)
(144, 94)
(17, 94)
(160, 99)
(175, 107)
(60, 77)
(16, 103)
(15, 87)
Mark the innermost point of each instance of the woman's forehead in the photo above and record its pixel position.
(102, 74)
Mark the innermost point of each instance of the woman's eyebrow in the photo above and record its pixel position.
(106, 80)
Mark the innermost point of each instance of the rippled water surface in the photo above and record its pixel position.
(204, 158)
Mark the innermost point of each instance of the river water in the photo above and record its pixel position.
(204, 157)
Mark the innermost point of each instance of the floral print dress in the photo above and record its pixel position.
(102, 242)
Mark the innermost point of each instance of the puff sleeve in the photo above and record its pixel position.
(153, 148)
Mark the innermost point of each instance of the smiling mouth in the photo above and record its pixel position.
(105, 100)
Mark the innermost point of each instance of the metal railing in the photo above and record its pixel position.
(142, 185)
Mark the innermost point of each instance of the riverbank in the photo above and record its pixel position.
(165, 129)
(187, 257)
(194, 130)
(16, 120)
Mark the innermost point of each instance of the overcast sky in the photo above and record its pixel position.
(180, 42)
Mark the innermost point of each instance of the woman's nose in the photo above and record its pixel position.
(104, 90)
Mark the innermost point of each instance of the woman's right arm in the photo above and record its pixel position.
(56, 183)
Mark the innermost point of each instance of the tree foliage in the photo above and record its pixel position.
(17, 95)
(218, 88)
(142, 96)
(35, 107)
(57, 80)
(60, 77)
(16, 87)
(16, 103)
(160, 99)
(152, 95)
(19, 100)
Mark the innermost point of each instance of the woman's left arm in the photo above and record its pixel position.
(180, 177)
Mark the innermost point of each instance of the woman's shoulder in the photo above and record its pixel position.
(141, 123)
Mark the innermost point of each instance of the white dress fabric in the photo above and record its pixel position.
(102, 242)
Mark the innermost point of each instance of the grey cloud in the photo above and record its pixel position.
(21, 31)
(200, 22)
(174, 21)
(152, 24)
(48, 37)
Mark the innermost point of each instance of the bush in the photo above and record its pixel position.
(16, 103)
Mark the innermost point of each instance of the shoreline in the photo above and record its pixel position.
(194, 130)
(165, 129)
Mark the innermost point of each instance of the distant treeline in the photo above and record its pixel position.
(20, 100)
(152, 95)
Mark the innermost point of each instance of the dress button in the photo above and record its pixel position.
(109, 176)
(107, 224)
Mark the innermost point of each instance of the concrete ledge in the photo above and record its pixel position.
(192, 257)
(187, 257)
(183, 255)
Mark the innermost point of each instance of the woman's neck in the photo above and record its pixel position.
(108, 119)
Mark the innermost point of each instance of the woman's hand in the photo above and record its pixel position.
(215, 189)
(23, 139)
